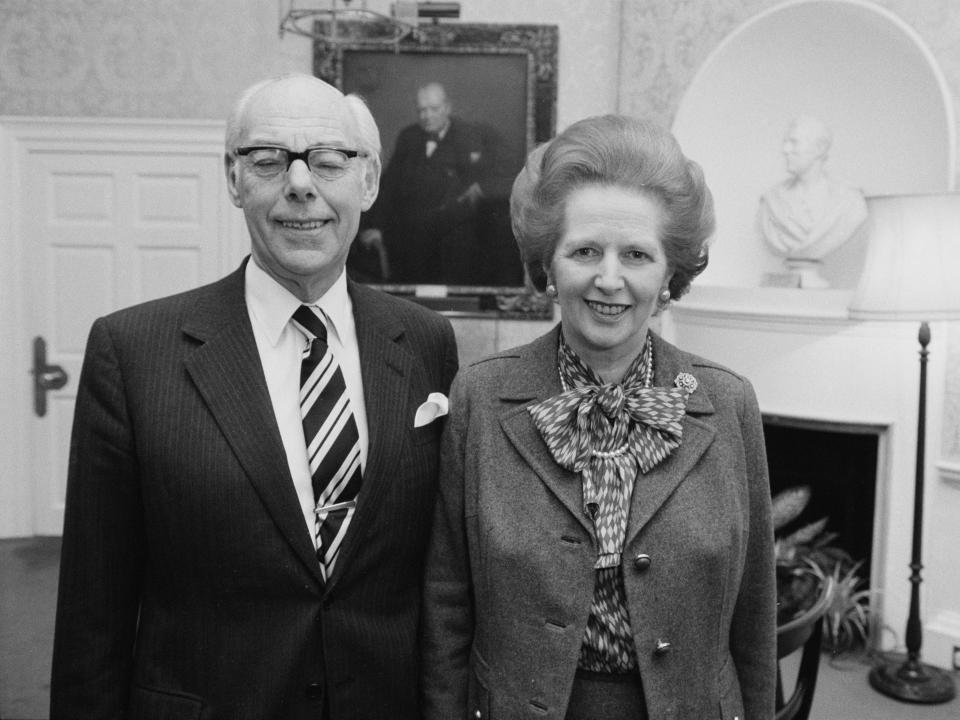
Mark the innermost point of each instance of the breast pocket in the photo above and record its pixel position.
(429, 433)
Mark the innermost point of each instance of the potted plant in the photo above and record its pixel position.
(808, 564)
(847, 621)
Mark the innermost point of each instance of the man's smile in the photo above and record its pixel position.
(302, 224)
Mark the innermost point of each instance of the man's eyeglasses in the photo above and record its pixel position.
(324, 162)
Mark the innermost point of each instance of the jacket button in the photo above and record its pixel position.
(662, 648)
(641, 562)
(314, 691)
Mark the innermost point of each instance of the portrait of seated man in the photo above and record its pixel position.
(440, 198)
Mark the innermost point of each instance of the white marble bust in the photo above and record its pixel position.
(809, 215)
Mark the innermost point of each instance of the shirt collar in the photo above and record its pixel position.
(338, 308)
(271, 305)
(439, 135)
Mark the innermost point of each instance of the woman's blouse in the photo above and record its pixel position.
(607, 432)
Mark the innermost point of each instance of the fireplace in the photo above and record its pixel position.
(839, 465)
(827, 385)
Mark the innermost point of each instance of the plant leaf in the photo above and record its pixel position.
(788, 504)
(806, 533)
(823, 540)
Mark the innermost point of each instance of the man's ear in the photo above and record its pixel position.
(371, 181)
(233, 179)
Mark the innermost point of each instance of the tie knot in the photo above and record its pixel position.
(308, 318)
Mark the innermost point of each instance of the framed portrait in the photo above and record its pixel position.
(440, 229)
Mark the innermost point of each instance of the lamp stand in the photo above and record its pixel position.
(912, 680)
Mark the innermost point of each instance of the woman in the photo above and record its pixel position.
(603, 545)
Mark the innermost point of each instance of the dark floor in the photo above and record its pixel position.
(28, 583)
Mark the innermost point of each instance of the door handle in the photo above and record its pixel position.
(45, 377)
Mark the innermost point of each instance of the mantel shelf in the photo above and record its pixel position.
(771, 303)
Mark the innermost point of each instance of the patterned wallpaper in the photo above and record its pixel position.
(189, 59)
(135, 58)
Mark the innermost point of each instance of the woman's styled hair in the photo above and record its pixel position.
(622, 151)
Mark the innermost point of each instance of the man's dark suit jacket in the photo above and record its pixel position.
(189, 587)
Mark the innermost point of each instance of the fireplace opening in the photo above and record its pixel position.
(839, 463)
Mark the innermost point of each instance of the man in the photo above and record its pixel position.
(426, 214)
(809, 214)
(197, 580)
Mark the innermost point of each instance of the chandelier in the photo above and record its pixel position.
(335, 21)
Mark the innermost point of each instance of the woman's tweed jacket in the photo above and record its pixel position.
(510, 574)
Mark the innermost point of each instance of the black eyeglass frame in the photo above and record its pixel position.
(305, 155)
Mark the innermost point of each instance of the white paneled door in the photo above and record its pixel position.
(116, 216)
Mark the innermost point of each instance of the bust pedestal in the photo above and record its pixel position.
(800, 273)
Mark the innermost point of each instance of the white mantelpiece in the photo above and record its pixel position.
(808, 361)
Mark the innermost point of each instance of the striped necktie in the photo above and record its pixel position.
(330, 432)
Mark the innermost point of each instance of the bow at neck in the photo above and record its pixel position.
(604, 432)
(592, 419)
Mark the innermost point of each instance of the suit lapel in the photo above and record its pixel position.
(386, 368)
(566, 485)
(652, 490)
(536, 379)
(227, 372)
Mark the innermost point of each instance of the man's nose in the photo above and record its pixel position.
(300, 182)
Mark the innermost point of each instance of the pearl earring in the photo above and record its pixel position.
(665, 295)
(551, 290)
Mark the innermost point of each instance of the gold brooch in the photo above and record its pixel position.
(686, 381)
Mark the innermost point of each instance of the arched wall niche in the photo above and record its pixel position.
(859, 68)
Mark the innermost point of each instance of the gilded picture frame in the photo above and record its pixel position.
(502, 81)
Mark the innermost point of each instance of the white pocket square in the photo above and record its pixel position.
(435, 406)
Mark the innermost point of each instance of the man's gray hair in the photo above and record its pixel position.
(365, 127)
(368, 134)
(236, 117)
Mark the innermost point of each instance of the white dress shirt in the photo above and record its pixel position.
(432, 144)
(281, 346)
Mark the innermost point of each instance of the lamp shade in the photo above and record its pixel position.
(912, 269)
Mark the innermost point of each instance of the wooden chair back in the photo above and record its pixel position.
(805, 634)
